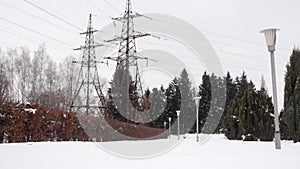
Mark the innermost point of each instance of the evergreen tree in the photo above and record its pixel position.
(265, 116)
(231, 122)
(218, 101)
(173, 96)
(242, 85)
(187, 115)
(205, 101)
(230, 95)
(297, 113)
(246, 114)
(158, 104)
(249, 116)
(291, 115)
(120, 104)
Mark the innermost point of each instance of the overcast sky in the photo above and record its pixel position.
(232, 27)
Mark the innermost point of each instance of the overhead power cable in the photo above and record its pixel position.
(53, 15)
(29, 14)
(27, 38)
(4, 3)
(94, 5)
(112, 6)
(216, 34)
(33, 31)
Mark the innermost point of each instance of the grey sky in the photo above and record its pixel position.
(232, 26)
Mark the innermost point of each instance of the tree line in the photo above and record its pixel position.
(230, 106)
(236, 108)
(34, 77)
(233, 106)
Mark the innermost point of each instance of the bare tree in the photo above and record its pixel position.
(39, 64)
(67, 74)
(23, 64)
(4, 84)
(39, 79)
(51, 80)
(11, 54)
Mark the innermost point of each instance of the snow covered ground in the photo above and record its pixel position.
(217, 153)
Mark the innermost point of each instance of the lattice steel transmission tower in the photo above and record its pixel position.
(88, 97)
(127, 59)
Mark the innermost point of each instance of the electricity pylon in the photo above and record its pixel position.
(88, 97)
(127, 59)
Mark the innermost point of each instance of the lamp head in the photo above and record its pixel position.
(197, 100)
(270, 35)
(178, 112)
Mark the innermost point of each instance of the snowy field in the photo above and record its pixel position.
(217, 153)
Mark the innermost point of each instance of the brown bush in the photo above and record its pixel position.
(35, 123)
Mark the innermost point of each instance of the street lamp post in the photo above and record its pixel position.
(197, 101)
(178, 129)
(165, 125)
(270, 35)
(170, 127)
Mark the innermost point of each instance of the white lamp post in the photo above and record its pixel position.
(197, 101)
(165, 125)
(270, 35)
(170, 127)
(178, 130)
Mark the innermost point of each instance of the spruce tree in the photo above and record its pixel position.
(291, 114)
(249, 116)
(231, 122)
(265, 116)
(117, 95)
(173, 96)
(119, 107)
(205, 101)
(297, 112)
(247, 113)
(230, 95)
(218, 100)
(187, 115)
(158, 104)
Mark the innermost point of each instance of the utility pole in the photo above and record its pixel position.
(127, 56)
(88, 83)
(270, 35)
(197, 102)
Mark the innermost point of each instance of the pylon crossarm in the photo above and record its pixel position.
(124, 18)
(88, 32)
(88, 47)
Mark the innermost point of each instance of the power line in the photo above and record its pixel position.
(289, 30)
(197, 66)
(94, 5)
(239, 39)
(223, 51)
(4, 3)
(53, 15)
(112, 7)
(33, 31)
(26, 38)
(27, 13)
(242, 47)
(247, 56)
(217, 34)
(61, 19)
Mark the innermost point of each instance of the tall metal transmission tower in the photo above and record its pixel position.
(88, 97)
(127, 59)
